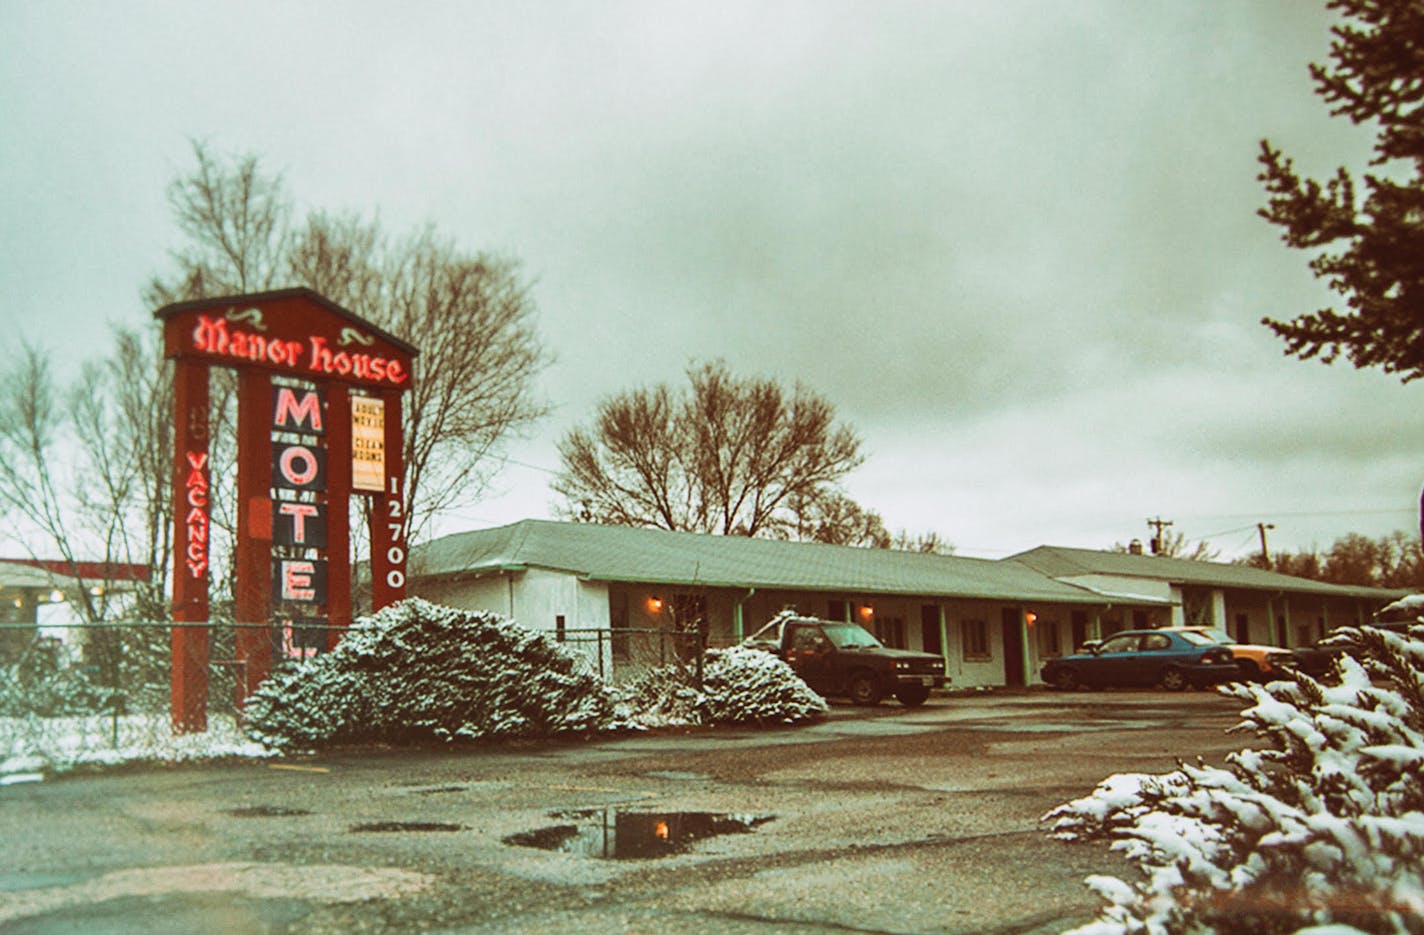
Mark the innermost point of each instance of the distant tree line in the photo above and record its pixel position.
(1390, 561)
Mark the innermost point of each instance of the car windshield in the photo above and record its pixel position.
(849, 636)
(1203, 639)
(1214, 636)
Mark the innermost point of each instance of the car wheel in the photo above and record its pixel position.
(1064, 679)
(912, 696)
(1173, 679)
(864, 689)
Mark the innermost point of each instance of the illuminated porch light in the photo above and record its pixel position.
(655, 604)
(1030, 617)
(56, 596)
(866, 611)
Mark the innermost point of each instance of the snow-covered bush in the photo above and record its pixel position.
(416, 671)
(44, 682)
(1325, 827)
(739, 685)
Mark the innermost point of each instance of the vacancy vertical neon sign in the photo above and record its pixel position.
(294, 472)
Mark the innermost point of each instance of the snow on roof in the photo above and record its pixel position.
(629, 554)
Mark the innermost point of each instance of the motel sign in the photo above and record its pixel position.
(318, 420)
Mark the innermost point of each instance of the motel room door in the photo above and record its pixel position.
(1013, 647)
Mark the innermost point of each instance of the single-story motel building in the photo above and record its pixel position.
(612, 590)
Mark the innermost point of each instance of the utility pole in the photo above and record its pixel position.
(1158, 524)
(1265, 553)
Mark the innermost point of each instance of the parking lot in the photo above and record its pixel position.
(884, 820)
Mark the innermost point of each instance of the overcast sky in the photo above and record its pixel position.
(1014, 243)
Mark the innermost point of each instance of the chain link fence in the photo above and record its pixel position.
(76, 693)
(622, 655)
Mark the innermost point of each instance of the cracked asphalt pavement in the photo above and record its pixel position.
(881, 820)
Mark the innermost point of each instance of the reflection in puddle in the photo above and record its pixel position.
(608, 834)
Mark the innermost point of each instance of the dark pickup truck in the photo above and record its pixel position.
(844, 659)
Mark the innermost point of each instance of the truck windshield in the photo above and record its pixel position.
(849, 636)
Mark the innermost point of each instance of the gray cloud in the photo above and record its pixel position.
(1014, 243)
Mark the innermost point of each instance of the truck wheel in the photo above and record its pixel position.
(912, 696)
(865, 689)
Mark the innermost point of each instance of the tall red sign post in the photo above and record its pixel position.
(318, 420)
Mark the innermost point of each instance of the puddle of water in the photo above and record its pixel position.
(266, 811)
(608, 834)
(394, 826)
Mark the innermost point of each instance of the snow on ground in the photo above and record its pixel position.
(33, 747)
(417, 672)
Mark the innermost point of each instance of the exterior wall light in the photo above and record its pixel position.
(867, 611)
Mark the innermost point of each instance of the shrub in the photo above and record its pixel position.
(739, 685)
(1325, 826)
(416, 672)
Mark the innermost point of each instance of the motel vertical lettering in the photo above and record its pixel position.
(388, 531)
(196, 520)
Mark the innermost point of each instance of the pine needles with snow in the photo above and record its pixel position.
(740, 685)
(1324, 827)
(418, 672)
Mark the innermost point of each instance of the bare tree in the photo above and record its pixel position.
(469, 314)
(838, 520)
(730, 455)
(79, 470)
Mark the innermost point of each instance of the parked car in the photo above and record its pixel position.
(1257, 663)
(1173, 659)
(1318, 660)
(837, 658)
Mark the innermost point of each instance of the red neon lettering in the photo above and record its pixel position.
(299, 512)
(294, 413)
(210, 335)
(287, 463)
(362, 366)
(320, 356)
(197, 519)
(297, 581)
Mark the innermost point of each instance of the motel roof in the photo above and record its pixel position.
(1066, 563)
(654, 556)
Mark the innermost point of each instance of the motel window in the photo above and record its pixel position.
(560, 630)
(891, 631)
(838, 610)
(1139, 619)
(976, 639)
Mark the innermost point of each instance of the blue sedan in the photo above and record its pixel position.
(1172, 659)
